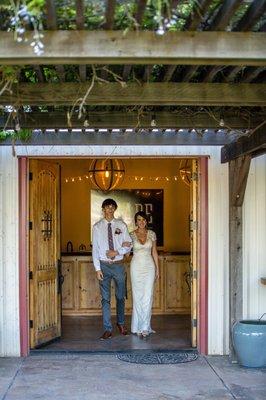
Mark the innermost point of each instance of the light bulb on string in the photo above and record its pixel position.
(153, 121)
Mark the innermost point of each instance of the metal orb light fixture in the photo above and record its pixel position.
(107, 174)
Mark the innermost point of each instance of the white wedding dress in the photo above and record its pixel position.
(142, 272)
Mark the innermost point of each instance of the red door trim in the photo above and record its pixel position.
(23, 256)
(203, 257)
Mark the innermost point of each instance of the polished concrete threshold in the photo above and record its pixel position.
(81, 335)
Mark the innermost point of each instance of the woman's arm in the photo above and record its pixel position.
(154, 254)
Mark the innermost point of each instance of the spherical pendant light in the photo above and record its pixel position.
(107, 174)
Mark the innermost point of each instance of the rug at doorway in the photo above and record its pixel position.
(154, 357)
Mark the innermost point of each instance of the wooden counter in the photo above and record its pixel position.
(81, 294)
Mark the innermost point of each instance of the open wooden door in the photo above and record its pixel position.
(194, 250)
(44, 252)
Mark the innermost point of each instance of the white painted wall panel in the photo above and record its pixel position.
(9, 272)
(218, 231)
(254, 214)
(218, 302)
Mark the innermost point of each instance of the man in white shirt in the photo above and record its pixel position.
(109, 240)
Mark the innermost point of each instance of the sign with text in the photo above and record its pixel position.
(130, 201)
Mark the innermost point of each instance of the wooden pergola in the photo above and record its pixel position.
(205, 77)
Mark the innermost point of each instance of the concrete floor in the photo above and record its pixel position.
(82, 334)
(104, 377)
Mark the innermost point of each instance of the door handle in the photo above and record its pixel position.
(60, 277)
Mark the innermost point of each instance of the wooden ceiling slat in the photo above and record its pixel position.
(60, 72)
(51, 21)
(82, 73)
(197, 14)
(169, 73)
(147, 73)
(80, 18)
(231, 74)
(39, 73)
(110, 14)
(188, 73)
(141, 5)
(255, 11)
(252, 74)
(220, 22)
(211, 73)
(126, 72)
(193, 94)
(224, 15)
(249, 19)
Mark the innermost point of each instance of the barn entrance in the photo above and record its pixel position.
(70, 300)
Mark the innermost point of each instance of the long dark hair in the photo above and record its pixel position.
(141, 214)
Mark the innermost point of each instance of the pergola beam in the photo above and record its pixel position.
(111, 119)
(252, 145)
(197, 94)
(114, 47)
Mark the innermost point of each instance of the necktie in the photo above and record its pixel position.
(110, 237)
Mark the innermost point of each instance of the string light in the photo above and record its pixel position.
(132, 177)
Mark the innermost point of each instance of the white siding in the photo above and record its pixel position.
(218, 233)
(254, 212)
(9, 278)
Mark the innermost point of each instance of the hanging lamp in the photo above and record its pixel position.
(106, 174)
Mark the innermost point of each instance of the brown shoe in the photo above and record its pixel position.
(122, 329)
(106, 335)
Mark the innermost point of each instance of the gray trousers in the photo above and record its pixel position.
(117, 273)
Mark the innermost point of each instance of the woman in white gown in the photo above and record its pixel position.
(144, 269)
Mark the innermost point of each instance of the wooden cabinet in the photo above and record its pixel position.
(81, 294)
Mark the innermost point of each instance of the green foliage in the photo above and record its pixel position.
(9, 73)
(23, 134)
(35, 7)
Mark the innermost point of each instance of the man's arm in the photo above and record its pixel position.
(95, 254)
(126, 239)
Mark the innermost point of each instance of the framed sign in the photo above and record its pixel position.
(129, 202)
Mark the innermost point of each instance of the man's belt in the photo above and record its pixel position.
(111, 262)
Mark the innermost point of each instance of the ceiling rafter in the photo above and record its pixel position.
(192, 23)
(52, 25)
(141, 6)
(255, 11)
(251, 74)
(39, 73)
(80, 10)
(110, 14)
(197, 15)
(224, 14)
(254, 144)
(80, 21)
(156, 93)
(113, 47)
(219, 23)
(51, 20)
(249, 19)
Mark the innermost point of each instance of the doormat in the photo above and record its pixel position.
(175, 357)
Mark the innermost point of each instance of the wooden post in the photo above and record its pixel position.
(238, 174)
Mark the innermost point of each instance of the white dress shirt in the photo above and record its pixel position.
(100, 240)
